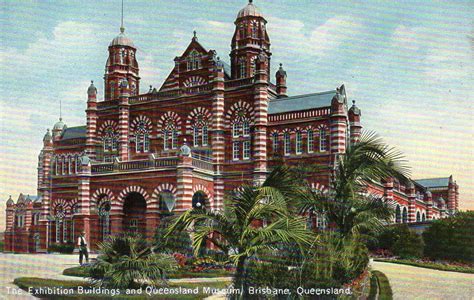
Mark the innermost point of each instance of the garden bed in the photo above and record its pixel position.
(441, 266)
(211, 273)
(35, 283)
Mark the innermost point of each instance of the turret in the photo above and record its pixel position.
(58, 129)
(121, 65)
(91, 113)
(354, 121)
(249, 40)
(281, 82)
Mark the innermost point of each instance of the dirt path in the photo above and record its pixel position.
(410, 282)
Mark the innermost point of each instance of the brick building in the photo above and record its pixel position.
(209, 128)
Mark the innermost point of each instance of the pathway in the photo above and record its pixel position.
(410, 282)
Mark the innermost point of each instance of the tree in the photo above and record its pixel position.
(346, 204)
(127, 261)
(180, 242)
(255, 219)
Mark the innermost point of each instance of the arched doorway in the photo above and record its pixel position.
(134, 210)
(398, 214)
(200, 200)
(405, 215)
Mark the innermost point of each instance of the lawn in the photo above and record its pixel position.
(73, 285)
(84, 272)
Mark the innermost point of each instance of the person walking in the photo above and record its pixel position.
(83, 251)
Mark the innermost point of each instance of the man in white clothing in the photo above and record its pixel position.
(82, 244)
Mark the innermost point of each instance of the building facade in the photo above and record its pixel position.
(208, 129)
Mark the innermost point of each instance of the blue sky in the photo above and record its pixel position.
(409, 66)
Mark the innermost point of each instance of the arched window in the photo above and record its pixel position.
(174, 139)
(104, 219)
(418, 216)
(287, 143)
(275, 142)
(323, 140)
(112, 89)
(109, 139)
(398, 215)
(241, 31)
(56, 165)
(423, 217)
(310, 144)
(405, 215)
(142, 139)
(299, 142)
(166, 140)
(78, 163)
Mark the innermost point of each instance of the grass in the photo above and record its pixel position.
(381, 281)
(84, 272)
(429, 265)
(35, 283)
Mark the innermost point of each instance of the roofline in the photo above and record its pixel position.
(302, 95)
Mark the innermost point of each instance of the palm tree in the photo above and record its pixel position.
(127, 261)
(239, 230)
(347, 205)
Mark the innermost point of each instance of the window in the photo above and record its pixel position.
(69, 165)
(299, 142)
(58, 230)
(254, 30)
(112, 89)
(196, 136)
(236, 130)
(104, 219)
(142, 142)
(246, 150)
(64, 166)
(235, 151)
(194, 61)
(146, 142)
(165, 140)
(275, 142)
(174, 139)
(287, 143)
(78, 163)
(310, 141)
(205, 136)
(321, 222)
(246, 128)
(323, 140)
(65, 231)
(56, 164)
(242, 68)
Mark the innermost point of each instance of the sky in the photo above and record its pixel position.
(409, 65)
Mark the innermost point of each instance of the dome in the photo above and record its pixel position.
(354, 109)
(60, 125)
(10, 201)
(250, 10)
(92, 90)
(281, 72)
(47, 136)
(122, 40)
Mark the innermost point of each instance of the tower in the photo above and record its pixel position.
(121, 64)
(249, 40)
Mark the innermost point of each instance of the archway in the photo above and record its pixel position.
(398, 214)
(104, 218)
(167, 202)
(200, 200)
(134, 210)
(405, 215)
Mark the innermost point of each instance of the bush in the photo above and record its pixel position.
(179, 241)
(390, 235)
(61, 248)
(409, 246)
(128, 262)
(451, 238)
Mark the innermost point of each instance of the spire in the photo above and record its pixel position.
(122, 29)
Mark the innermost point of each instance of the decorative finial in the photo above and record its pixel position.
(250, 1)
(92, 81)
(122, 29)
(353, 102)
(281, 65)
(194, 35)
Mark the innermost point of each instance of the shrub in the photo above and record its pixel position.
(61, 248)
(390, 235)
(451, 238)
(128, 262)
(409, 246)
(179, 241)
